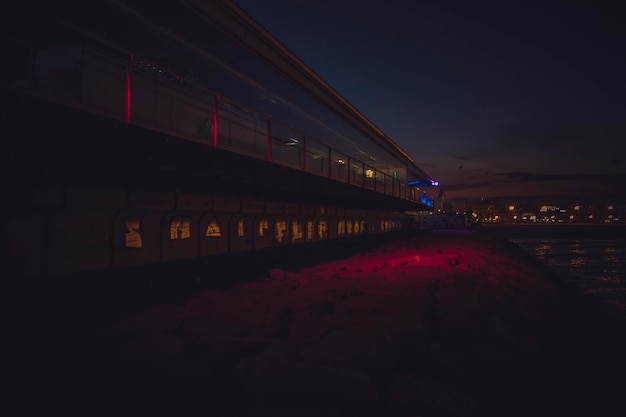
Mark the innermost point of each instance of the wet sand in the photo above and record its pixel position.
(434, 324)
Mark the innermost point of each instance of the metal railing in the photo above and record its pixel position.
(107, 80)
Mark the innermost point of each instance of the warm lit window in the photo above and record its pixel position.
(132, 238)
(280, 230)
(213, 229)
(322, 229)
(241, 228)
(296, 230)
(185, 230)
(310, 229)
(263, 227)
(174, 228)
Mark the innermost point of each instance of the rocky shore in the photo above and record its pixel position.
(436, 324)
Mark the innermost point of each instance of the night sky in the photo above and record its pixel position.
(506, 101)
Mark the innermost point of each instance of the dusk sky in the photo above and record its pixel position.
(493, 99)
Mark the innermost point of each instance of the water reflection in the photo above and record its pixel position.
(577, 254)
(597, 266)
(611, 254)
(543, 249)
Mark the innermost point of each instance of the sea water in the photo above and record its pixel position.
(595, 265)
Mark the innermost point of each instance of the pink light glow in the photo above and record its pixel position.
(215, 126)
(129, 71)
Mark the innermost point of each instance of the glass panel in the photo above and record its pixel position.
(161, 98)
(317, 157)
(241, 130)
(370, 177)
(286, 145)
(339, 166)
(356, 172)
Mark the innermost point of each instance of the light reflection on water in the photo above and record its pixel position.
(597, 266)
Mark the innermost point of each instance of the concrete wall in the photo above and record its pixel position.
(96, 228)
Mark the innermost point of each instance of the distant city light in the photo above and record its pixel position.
(549, 213)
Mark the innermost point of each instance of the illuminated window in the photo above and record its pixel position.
(132, 238)
(185, 230)
(280, 230)
(213, 229)
(296, 230)
(241, 228)
(180, 228)
(349, 227)
(322, 230)
(174, 228)
(264, 226)
(341, 227)
(310, 230)
(369, 173)
(356, 228)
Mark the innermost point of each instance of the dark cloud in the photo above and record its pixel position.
(467, 186)
(564, 134)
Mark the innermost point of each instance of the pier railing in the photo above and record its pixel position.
(102, 78)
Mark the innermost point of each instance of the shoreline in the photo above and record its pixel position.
(441, 324)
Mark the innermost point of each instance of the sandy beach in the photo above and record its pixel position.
(457, 323)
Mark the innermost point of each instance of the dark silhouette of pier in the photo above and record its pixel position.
(128, 143)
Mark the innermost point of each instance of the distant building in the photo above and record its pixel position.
(485, 212)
